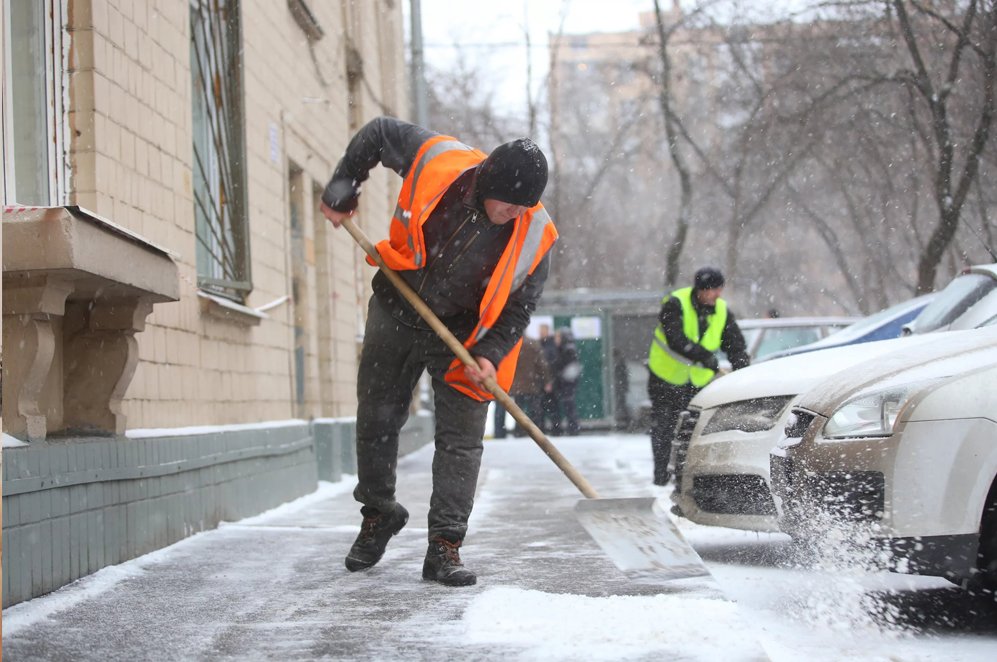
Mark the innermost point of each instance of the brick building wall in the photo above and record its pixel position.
(131, 161)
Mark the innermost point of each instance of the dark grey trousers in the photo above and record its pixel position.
(667, 402)
(393, 358)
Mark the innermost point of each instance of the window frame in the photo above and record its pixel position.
(225, 174)
(55, 45)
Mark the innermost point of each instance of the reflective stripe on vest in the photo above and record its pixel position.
(532, 237)
(675, 368)
(526, 260)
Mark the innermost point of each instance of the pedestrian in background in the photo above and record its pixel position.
(470, 235)
(621, 388)
(550, 419)
(567, 372)
(693, 324)
(532, 382)
(498, 419)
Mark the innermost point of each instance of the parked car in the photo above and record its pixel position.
(965, 303)
(765, 336)
(722, 444)
(722, 466)
(906, 447)
(884, 325)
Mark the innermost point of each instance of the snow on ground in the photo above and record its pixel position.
(11, 442)
(572, 627)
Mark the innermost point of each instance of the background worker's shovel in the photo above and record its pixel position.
(640, 539)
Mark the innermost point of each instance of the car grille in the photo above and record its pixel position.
(850, 495)
(733, 494)
(781, 470)
(680, 446)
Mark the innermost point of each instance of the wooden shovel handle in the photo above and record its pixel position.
(465, 357)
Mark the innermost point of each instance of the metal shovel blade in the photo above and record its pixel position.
(640, 539)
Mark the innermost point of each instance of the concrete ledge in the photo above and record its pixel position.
(73, 507)
(335, 443)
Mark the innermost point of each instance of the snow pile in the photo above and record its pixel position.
(11, 442)
(549, 626)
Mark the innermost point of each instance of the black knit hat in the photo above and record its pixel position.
(708, 278)
(515, 172)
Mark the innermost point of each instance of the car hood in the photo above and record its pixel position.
(797, 374)
(949, 353)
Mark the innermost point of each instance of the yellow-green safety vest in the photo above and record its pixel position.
(672, 366)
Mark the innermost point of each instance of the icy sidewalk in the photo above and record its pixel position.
(274, 586)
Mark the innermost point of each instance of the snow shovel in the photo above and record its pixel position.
(639, 537)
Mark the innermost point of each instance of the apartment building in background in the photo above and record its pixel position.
(180, 324)
(604, 84)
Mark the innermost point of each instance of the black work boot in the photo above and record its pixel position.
(662, 476)
(443, 564)
(375, 532)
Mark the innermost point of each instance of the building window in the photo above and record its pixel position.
(219, 150)
(33, 119)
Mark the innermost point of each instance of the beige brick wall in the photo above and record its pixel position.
(131, 158)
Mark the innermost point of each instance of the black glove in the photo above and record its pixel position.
(342, 195)
(711, 363)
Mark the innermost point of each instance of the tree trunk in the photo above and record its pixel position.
(685, 180)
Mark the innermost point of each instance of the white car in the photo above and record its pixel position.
(720, 453)
(903, 452)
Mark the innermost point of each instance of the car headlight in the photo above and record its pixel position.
(871, 414)
(747, 415)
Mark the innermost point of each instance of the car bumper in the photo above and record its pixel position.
(723, 479)
(920, 492)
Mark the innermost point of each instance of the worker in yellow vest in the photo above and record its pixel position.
(693, 324)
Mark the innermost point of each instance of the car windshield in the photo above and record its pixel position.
(873, 321)
(776, 340)
(953, 301)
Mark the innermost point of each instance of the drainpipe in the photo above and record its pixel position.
(419, 98)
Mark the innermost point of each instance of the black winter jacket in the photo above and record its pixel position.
(462, 245)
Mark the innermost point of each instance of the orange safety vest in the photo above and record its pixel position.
(439, 162)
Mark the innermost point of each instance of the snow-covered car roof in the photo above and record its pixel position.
(947, 354)
(793, 375)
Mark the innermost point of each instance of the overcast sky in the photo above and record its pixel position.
(492, 33)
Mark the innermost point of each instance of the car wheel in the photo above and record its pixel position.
(987, 555)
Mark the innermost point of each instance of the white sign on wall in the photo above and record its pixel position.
(586, 327)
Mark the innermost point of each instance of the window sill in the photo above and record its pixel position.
(230, 311)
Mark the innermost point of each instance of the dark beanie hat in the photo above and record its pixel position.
(515, 172)
(708, 278)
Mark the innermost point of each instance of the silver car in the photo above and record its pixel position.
(901, 455)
